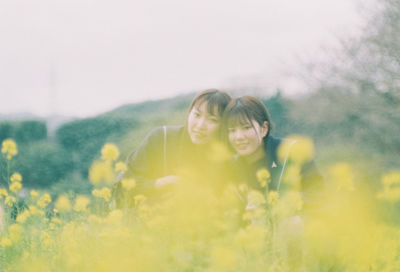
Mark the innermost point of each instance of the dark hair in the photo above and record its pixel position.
(215, 99)
(243, 110)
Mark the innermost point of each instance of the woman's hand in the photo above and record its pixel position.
(172, 179)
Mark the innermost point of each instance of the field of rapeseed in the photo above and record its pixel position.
(345, 227)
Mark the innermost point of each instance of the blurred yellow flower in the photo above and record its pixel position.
(10, 200)
(109, 152)
(219, 152)
(9, 147)
(139, 199)
(114, 217)
(23, 216)
(16, 177)
(15, 187)
(120, 167)
(299, 149)
(5, 242)
(34, 194)
(3, 192)
(263, 177)
(128, 183)
(63, 204)
(391, 187)
(35, 210)
(342, 175)
(44, 200)
(101, 171)
(273, 197)
(15, 232)
(81, 203)
(255, 198)
(104, 193)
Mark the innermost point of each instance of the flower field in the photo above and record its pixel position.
(346, 226)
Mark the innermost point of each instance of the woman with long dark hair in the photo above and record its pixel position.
(168, 151)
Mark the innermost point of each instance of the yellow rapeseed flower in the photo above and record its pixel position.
(35, 210)
(81, 203)
(10, 200)
(109, 152)
(15, 232)
(224, 258)
(16, 177)
(44, 200)
(263, 177)
(139, 199)
(34, 194)
(23, 216)
(342, 175)
(120, 167)
(104, 193)
(114, 217)
(101, 171)
(3, 192)
(5, 242)
(273, 197)
(299, 149)
(15, 187)
(128, 183)
(63, 204)
(9, 147)
(255, 198)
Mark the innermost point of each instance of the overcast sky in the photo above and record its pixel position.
(81, 58)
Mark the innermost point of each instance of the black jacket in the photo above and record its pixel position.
(161, 155)
(246, 173)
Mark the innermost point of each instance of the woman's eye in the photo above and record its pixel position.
(196, 114)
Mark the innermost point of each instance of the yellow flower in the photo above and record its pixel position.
(34, 194)
(63, 204)
(16, 177)
(15, 232)
(342, 174)
(10, 200)
(44, 200)
(114, 217)
(128, 183)
(15, 187)
(109, 152)
(263, 177)
(5, 242)
(104, 193)
(139, 199)
(3, 192)
(255, 198)
(219, 152)
(299, 149)
(391, 178)
(101, 171)
(23, 216)
(120, 167)
(10, 148)
(34, 210)
(81, 203)
(273, 197)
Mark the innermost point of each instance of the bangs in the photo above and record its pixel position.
(239, 117)
(213, 105)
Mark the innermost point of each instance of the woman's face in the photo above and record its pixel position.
(203, 126)
(247, 138)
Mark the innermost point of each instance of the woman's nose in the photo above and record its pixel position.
(201, 123)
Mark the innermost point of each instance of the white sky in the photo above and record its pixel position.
(81, 58)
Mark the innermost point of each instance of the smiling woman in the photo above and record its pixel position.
(167, 152)
(247, 128)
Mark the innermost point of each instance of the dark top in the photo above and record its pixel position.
(246, 173)
(162, 155)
